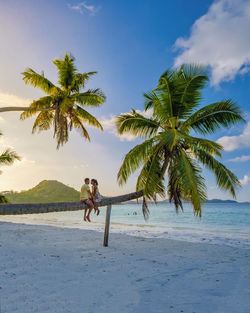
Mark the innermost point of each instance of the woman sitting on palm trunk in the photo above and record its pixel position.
(96, 197)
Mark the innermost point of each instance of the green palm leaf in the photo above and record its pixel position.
(8, 157)
(44, 103)
(66, 71)
(43, 121)
(136, 124)
(80, 80)
(134, 159)
(79, 126)
(168, 138)
(214, 116)
(193, 186)
(194, 78)
(61, 130)
(92, 97)
(87, 118)
(225, 179)
(38, 80)
(151, 177)
(190, 142)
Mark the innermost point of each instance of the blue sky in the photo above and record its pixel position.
(129, 43)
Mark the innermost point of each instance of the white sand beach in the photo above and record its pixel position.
(55, 269)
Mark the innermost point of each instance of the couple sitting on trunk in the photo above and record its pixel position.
(90, 198)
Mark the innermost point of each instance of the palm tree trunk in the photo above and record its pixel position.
(28, 208)
(8, 109)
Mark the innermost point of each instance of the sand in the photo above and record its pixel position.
(55, 269)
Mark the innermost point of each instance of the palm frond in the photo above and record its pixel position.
(174, 186)
(193, 79)
(38, 80)
(86, 117)
(65, 105)
(43, 121)
(61, 129)
(79, 125)
(170, 91)
(80, 80)
(164, 100)
(8, 157)
(91, 97)
(37, 105)
(169, 138)
(134, 159)
(151, 178)
(225, 179)
(66, 71)
(214, 116)
(162, 110)
(209, 146)
(145, 209)
(149, 100)
(192, 183)
(136, 124)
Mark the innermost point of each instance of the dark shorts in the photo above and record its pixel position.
(87, 201)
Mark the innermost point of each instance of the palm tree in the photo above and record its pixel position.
(63, 105)
(7, 158)
(170, 147)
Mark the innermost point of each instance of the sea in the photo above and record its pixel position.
(221, 223)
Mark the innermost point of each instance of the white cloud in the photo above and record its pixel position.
(219, 39)
(109, 125)
(7, 100)
(242, 158)
(245, 180)
(4, 143)
(231, 143)
(84, 7)
(24, 162)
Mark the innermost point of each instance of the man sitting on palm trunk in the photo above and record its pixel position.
(86, 197)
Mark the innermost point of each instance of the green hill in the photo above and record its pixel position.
(46, 191)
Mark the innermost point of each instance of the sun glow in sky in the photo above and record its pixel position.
(130, 44)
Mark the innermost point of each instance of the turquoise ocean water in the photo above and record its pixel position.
(222, 223)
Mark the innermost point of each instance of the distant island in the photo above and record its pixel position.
(45, 192)
(207, 201)
(54, 191)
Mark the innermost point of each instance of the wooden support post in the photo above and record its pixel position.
(107, 223)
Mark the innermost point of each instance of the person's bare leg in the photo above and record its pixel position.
(85, 215)
(91, 207)
(97, 210)
(88, 217)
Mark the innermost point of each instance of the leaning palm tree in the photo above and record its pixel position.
(171, 150)
(63, 107)
(7, 158)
